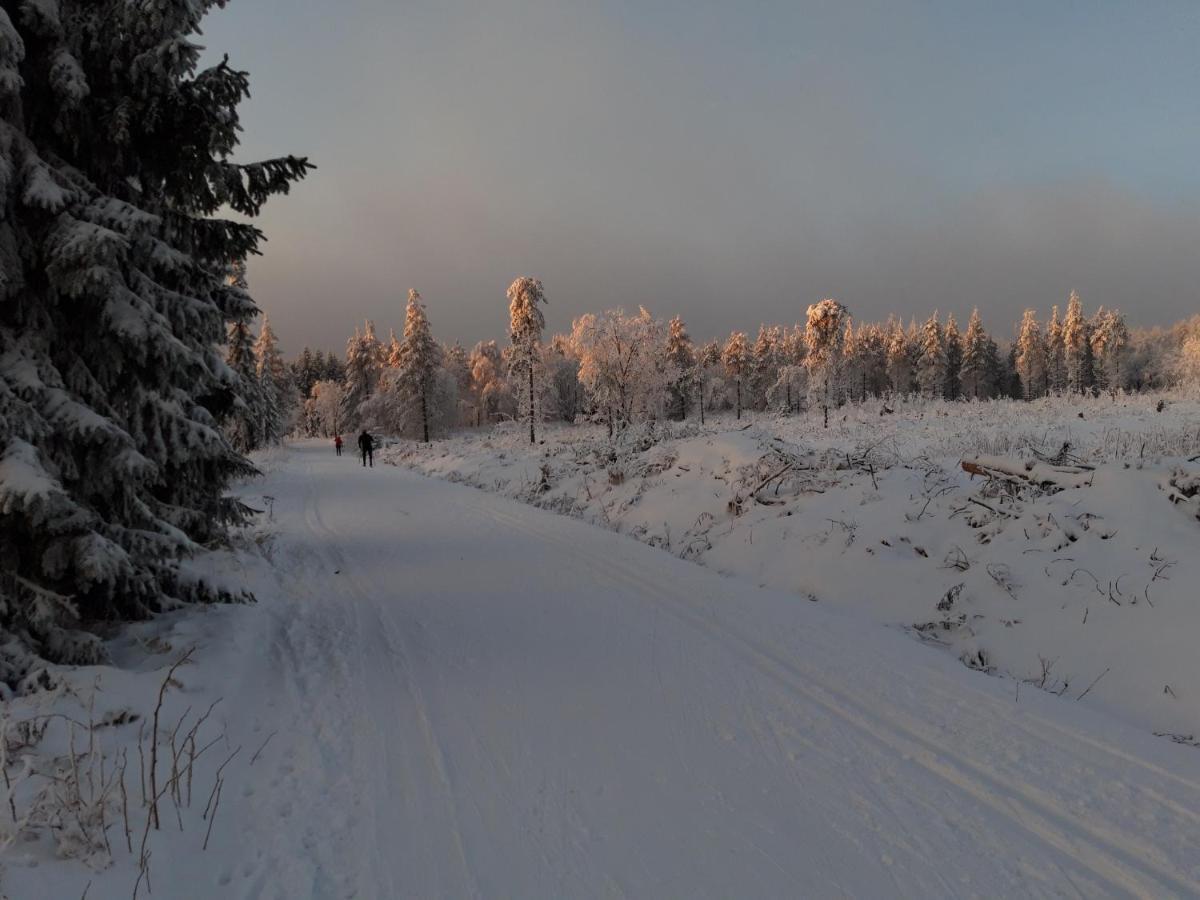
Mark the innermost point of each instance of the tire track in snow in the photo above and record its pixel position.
(1121, 860)
(392, 646)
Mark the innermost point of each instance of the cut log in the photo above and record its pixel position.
(1040, 474)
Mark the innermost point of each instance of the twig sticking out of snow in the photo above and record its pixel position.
(1092, 685)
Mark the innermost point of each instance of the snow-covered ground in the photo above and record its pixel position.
(875, 515)
(444, 693)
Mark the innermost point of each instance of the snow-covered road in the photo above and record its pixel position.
(474, 698)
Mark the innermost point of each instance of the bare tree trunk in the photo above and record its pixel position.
(739, 398)
(425, 416)
(532, 439)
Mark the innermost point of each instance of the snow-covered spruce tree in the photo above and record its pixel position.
(682, 355)
(420, 358)
(275, 386)
(365, 359)
(1109, 345)
(735, 356)
(1077, 347)
(1009, 379)
(392, 350)
(244, 424)
(304, 372)
(332, 368)
(853, 368)
(866, 360)
(562, 370)
(710, 384)
(526, 324)
(999, 377)
(1031, 356)
(764, 366)
(1056, 360)
(975, 378)
(954, 358)
(457, 364)
(114, 302)
(792, 347)
(914, 342)
(824, 332)
(899, 364)
(931, 369)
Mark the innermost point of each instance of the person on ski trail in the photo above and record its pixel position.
(366, 444)
(337, 444)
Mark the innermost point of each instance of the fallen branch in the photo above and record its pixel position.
(1092, 685)
(1043, 475)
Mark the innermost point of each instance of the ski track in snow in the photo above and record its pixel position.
(488, 700)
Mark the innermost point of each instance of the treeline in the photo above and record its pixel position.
(617, 368)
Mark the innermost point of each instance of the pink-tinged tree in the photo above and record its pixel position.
(736, 358)
(976, 377)
(1031, 357)
(824, 333)
(526, 324)
(623, 364)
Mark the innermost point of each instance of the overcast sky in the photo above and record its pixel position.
(729, 162)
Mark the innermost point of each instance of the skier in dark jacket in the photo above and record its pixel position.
(366, 444)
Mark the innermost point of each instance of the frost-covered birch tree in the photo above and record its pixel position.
(623, 364)
(324, 406)
(491, 395)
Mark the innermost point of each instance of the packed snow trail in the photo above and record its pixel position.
(475, 698)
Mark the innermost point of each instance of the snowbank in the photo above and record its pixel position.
(1078, 579)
